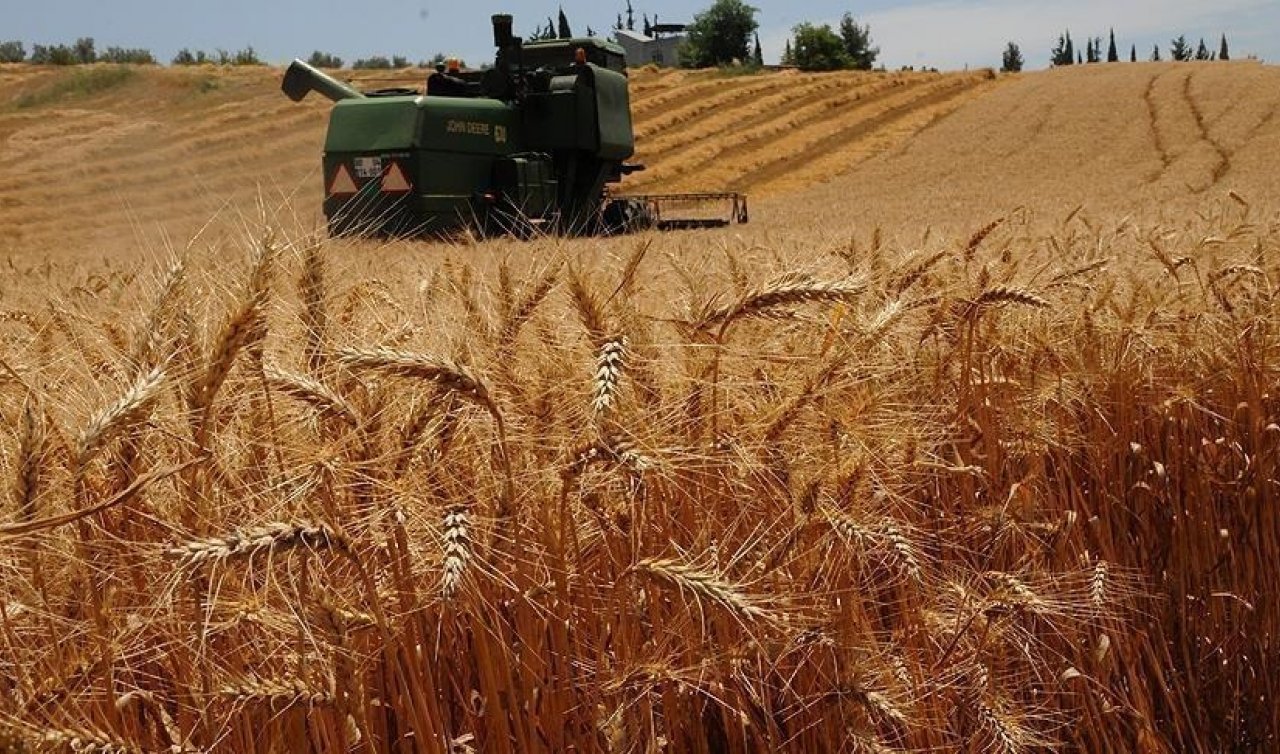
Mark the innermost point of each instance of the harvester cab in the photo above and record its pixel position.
(530, 145)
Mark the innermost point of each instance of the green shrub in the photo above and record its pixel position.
(136, 56)
(324, 60)
(12, 52)
(81, 83)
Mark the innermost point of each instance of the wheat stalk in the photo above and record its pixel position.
(237, 333)
(610, 450)
(156, 335)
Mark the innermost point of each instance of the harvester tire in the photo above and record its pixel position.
(625, 216)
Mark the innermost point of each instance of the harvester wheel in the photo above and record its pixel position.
(625, 216)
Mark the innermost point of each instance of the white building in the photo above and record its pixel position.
(663, 48)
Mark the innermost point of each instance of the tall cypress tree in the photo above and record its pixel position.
(788, 58)
(758, 54)
(564, 31)
(1223, 53)
(1155, 53)
(1133, 54)
(1064, 52)
(1112, 55)
(1011, 60)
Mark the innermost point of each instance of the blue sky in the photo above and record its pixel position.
(948, 34)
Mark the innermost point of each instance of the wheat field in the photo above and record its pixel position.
(967, 443)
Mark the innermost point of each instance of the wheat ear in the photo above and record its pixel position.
(610, 360)
(443, 372)
(269, 538)
(979, 236)
(1004, 294)
(276, 694)
(451, 377)
(523, 309)
(31, 448)
(131, 409)
(312, 392)
(790, 289)
(315, 312)
(589, 308)
(1098, 585)
(705, 585)
(885, 536)
(916, 272)
(457, 550)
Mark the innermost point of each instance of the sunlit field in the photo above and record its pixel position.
(968, 442)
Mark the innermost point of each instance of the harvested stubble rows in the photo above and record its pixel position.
(177, 146)
(985, 495)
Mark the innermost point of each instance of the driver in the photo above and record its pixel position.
(446, 82)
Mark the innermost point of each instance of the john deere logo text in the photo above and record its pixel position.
(474, 128)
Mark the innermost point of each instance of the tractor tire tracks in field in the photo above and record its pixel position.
(1153, 121)
(1224, 157)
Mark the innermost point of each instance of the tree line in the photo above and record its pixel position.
(728, 33)
(1065, 52)
(82, 52)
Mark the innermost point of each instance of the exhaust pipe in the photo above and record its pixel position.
(302, 78)
(502, 35)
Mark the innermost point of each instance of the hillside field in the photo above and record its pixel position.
(969, 441)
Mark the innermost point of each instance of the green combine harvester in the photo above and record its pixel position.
(529, 146)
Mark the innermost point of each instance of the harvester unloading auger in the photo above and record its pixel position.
(530, 145)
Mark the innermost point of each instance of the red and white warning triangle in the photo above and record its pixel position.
(342, 184)
(393, 181)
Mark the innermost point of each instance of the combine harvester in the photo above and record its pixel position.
(529, 146)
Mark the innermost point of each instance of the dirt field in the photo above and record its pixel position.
(967, 442)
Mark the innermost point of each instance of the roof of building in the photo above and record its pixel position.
(631, 36)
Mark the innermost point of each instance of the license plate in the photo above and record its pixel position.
(368, 167)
